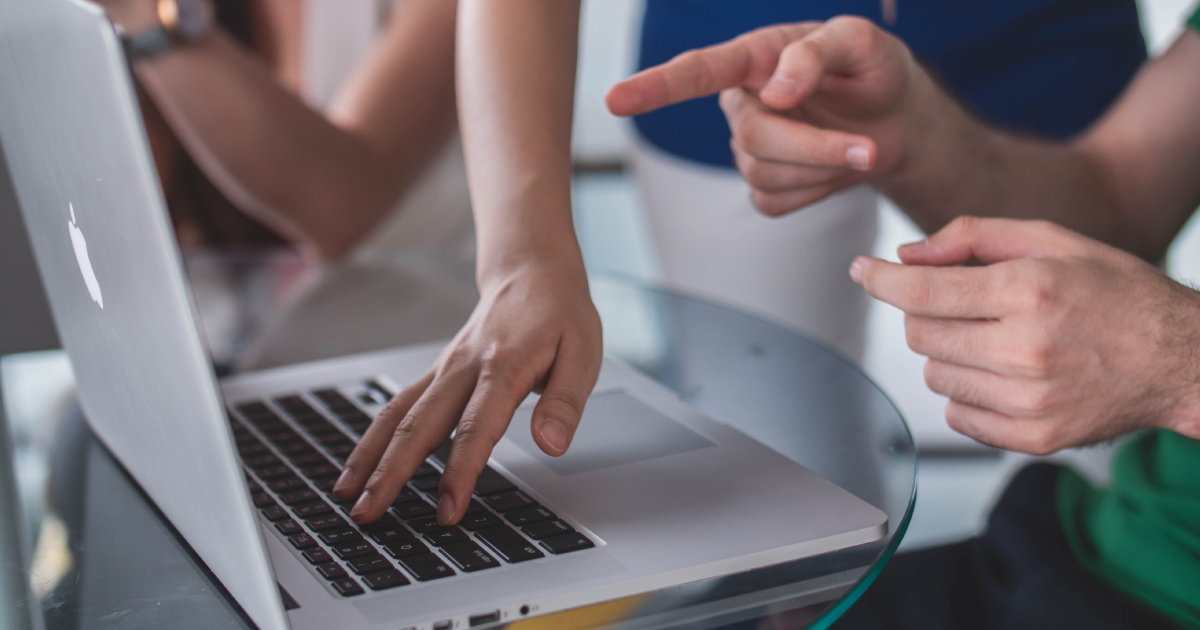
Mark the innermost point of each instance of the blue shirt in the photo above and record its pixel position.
(1047, 67)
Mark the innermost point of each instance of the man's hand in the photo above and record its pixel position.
(814, 108)
(533, 330)
(1059, 341)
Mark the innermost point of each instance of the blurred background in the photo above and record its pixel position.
(958, 478)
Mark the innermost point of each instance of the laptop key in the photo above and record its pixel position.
(491, 482)
(442, 536)
(261, 461)
(347, 587)
(251, 449)
(404, 548)
(339, 536)
(328, 521)
(480, 520)
(442, 454)
(262, 500)
(274, 513)
(286, 484)
(469, 557)
(511, 546)
(406, 494)
(325, 484)
(392, 534)
(423, 525)
(426, 567)
(288, 527)
(302, 541)
(323, 470)
(428, 483)
(309, 510)
(355, 549)
(520, 518)
(546, 529)
(273, 473)
(317, 556)
(296, 497)
(566, 543)
(369, 564)
(331, 571)
(509, 501)
(341, 451)
(381, 580)
(296, 449)
(475, 506)
(414, 509)
(309, 458)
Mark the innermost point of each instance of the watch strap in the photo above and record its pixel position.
(148, 43)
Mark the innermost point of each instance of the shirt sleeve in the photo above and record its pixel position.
(1194, 21)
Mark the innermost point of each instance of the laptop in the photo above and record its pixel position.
(651, 495)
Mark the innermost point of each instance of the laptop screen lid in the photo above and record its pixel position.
(81, 166)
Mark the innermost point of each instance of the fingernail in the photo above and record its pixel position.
(445, 509)
(344, 481)
(856, 270)
(914, 246)
(781, 87)
(859, 157)
(362, 506)
(554, 434)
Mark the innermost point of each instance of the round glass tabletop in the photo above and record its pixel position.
(776, 385)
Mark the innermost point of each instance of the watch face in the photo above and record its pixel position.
(193, 19)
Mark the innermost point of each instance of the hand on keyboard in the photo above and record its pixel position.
(531, 332)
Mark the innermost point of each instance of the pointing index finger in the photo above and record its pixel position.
(748, 60)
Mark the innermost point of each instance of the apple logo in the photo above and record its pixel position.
(85, 263)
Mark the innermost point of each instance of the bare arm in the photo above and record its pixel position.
(1131, 180)
(535, 328)
(516, 80)
(323, 181)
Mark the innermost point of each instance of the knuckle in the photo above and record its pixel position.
(748, 131)
(564, 400)
(964, 225)
(916, 334)
(918, 295)
(458, 358)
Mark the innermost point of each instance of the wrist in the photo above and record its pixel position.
(500, 267)
(1183, 415)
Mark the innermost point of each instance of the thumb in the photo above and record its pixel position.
(557, 413)
(992, 241)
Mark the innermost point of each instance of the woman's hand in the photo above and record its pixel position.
(535, 330)
(1060, 341)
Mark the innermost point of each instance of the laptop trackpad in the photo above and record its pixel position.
(617, 429)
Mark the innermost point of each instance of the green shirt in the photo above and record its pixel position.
(1142, 534)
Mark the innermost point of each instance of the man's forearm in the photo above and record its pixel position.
(957, 165)
(516, 72)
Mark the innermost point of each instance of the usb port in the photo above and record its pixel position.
(479, 620)
(444, 625)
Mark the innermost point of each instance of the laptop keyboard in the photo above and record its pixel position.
(293, 451)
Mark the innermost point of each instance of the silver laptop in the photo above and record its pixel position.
(651, 495)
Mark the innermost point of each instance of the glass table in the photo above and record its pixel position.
(104, 557)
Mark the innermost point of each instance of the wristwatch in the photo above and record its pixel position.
(179, 22)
